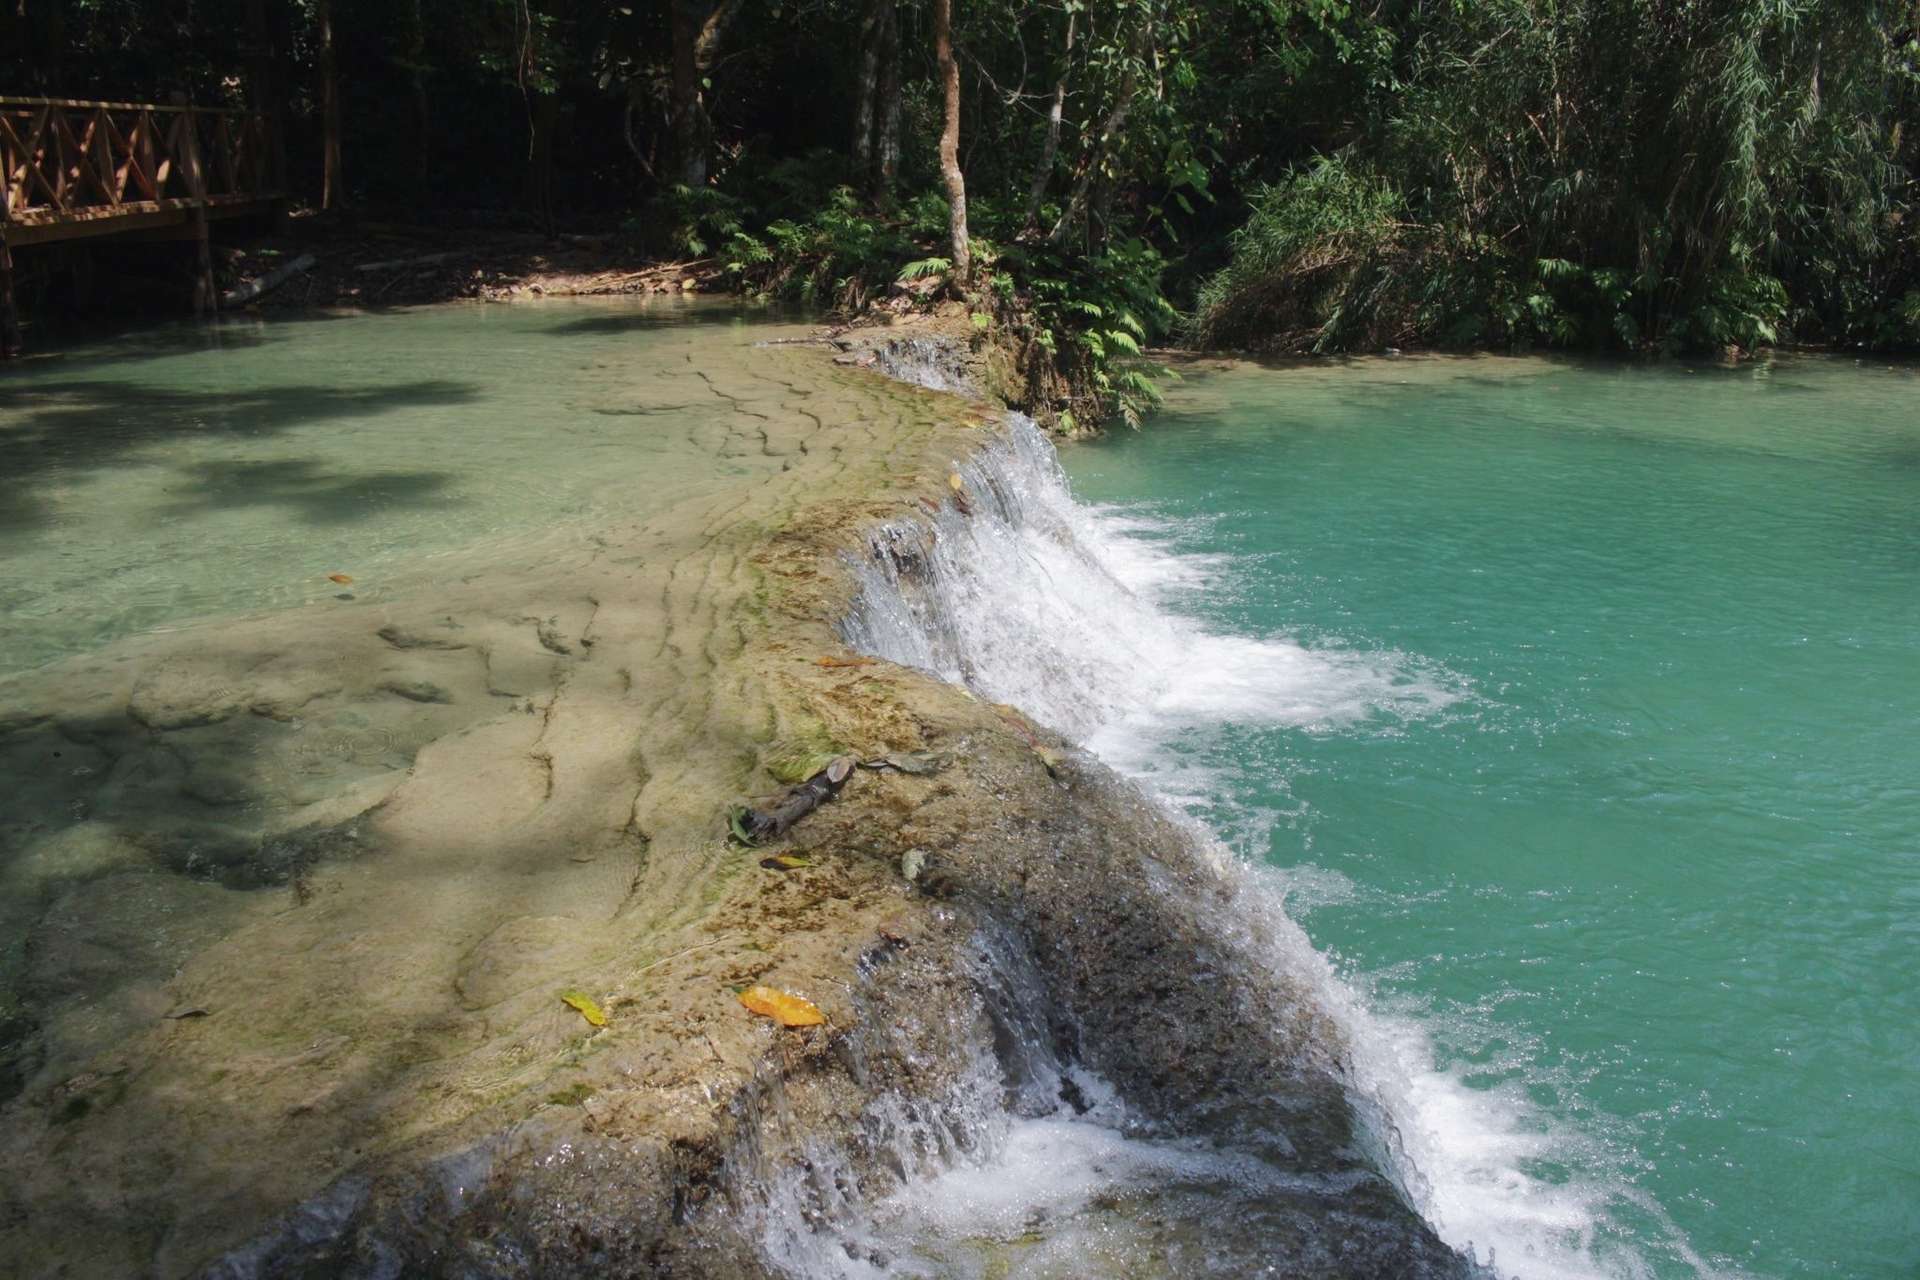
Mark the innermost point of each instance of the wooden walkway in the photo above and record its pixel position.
(72, 169)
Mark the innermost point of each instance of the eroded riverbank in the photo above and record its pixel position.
(297, 895)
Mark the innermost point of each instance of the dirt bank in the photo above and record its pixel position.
(372, 263)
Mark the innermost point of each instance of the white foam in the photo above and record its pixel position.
(1052, 606)
(1071, 613)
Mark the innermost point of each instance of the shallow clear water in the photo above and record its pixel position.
(190, 471)
(1581, 707)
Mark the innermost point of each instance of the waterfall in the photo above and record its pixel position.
(1032, 598)
(1026, 596)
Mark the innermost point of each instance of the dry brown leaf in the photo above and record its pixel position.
(787, 1010)
(342, 578)
(845, 662)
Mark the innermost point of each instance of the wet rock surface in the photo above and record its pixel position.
(364, 905)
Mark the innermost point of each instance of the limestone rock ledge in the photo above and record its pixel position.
(355, 1061)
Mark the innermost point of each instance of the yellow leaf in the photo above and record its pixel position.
(589, 1008)
(955, 482)
(788, 1011)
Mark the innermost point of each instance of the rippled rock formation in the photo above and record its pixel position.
(294, 936)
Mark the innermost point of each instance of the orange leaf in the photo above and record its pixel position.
(342, 578)
(788, 1011)
(847, 662)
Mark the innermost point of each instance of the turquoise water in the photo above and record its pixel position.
(1635, 878)
(190, 471)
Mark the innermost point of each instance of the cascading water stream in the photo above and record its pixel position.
(1027, 597)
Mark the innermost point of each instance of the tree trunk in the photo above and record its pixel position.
(422, 117)
(50, 65)
(866, 87)
(333, 192)
(697, 28)
(886, 147)
(9, 316)
(950, 142)
(1095, 160)
(1050, 149)
(542, 120)
(263, 90)
(641, 155)
(689, 112)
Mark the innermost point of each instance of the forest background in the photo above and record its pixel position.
(1090, 177)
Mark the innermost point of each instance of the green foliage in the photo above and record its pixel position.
(1594, 173)
(1311, 268)
(1739, 309)
(1302, 174)
(924, 267)
(837, 256)
(688, 222)
(1094, 314)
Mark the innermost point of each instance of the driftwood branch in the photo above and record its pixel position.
(423, 260)
(758, 825)
(241, 294)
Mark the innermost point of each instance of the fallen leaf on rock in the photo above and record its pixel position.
(785, 862)
(787, 1010)
(846, 662)
(955, 483)
(589, 1008)
(342, 578)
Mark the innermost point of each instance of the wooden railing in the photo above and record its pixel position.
(77, 168)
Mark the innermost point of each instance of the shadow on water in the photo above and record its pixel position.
(80, 345)
(676, 317)
(57, 428)
(141, 835)
(85, 348)
(317, 494)
(120, 850)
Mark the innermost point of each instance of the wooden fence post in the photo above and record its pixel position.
(206, 298)
(9, 318)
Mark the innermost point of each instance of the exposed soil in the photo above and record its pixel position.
(371, 263)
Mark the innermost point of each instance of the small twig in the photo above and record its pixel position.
(676, 955)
